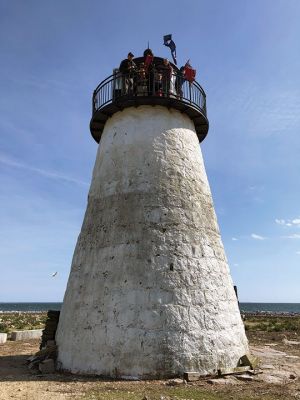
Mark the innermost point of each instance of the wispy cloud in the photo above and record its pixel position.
(48, 174)
(257, 237)
(288, 222)
(293, 236)
(282, 222)
(298, 252)
(234, 239)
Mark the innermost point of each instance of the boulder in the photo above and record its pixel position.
(47, 366)
(191, 376)
(249, 360)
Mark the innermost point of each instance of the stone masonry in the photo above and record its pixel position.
(149, 293)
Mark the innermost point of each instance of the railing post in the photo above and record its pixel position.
(93, 102)
(119, 85)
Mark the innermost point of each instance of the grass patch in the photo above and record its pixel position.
(153, 391)
(21, 321)
(272, 324)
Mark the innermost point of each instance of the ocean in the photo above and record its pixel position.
(288, 308)
(6, 307)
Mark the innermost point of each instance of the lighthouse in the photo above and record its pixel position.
(149, 293)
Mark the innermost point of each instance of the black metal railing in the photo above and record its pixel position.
(120, 86)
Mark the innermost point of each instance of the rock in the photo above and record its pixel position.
(175, 382)
(3, 338)
(34, 360)
(223, 381)
(249, 360)
(267, 366)
(233, 371)
(293, 376)
(255, 372)
(33, 365)
(289, 342)
(50, 328)
(191, 376)
(245, 378)
(49, 352)
(47, 366)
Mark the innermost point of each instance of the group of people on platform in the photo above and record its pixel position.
(150, 78)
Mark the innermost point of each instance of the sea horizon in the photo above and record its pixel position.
(247, 307)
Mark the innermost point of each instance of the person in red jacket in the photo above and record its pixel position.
(150, 69)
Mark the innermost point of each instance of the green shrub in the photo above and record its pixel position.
(272, 324)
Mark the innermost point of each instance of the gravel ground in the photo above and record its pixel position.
(280, 361)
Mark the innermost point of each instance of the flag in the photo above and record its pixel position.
(189, 72)
(170, 43)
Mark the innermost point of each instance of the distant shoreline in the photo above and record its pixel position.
(247, 309)
(261, 314)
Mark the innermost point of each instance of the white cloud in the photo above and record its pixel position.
(293, 236)
(297, 252)
(48, 174)
(236, 265)
(257, 237)
(234, 239)
(288, 222)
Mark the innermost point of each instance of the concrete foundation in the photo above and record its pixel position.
(26, 335)
(3, 338)
(149, 293)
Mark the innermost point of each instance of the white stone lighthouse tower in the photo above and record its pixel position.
(149, 293)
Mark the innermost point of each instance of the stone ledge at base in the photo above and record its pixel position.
(3, 338)
(25, 335)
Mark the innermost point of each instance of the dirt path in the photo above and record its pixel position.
(280, 361)
(18, 382)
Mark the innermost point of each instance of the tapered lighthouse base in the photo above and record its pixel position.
(149, 293)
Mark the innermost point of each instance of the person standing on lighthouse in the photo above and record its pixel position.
(128, 68)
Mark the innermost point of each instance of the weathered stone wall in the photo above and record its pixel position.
(149, 293)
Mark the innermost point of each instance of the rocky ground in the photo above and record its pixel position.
(279, 352)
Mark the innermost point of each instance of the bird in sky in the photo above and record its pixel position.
(53, 275)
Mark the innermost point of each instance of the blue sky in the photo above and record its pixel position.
(53, 55)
